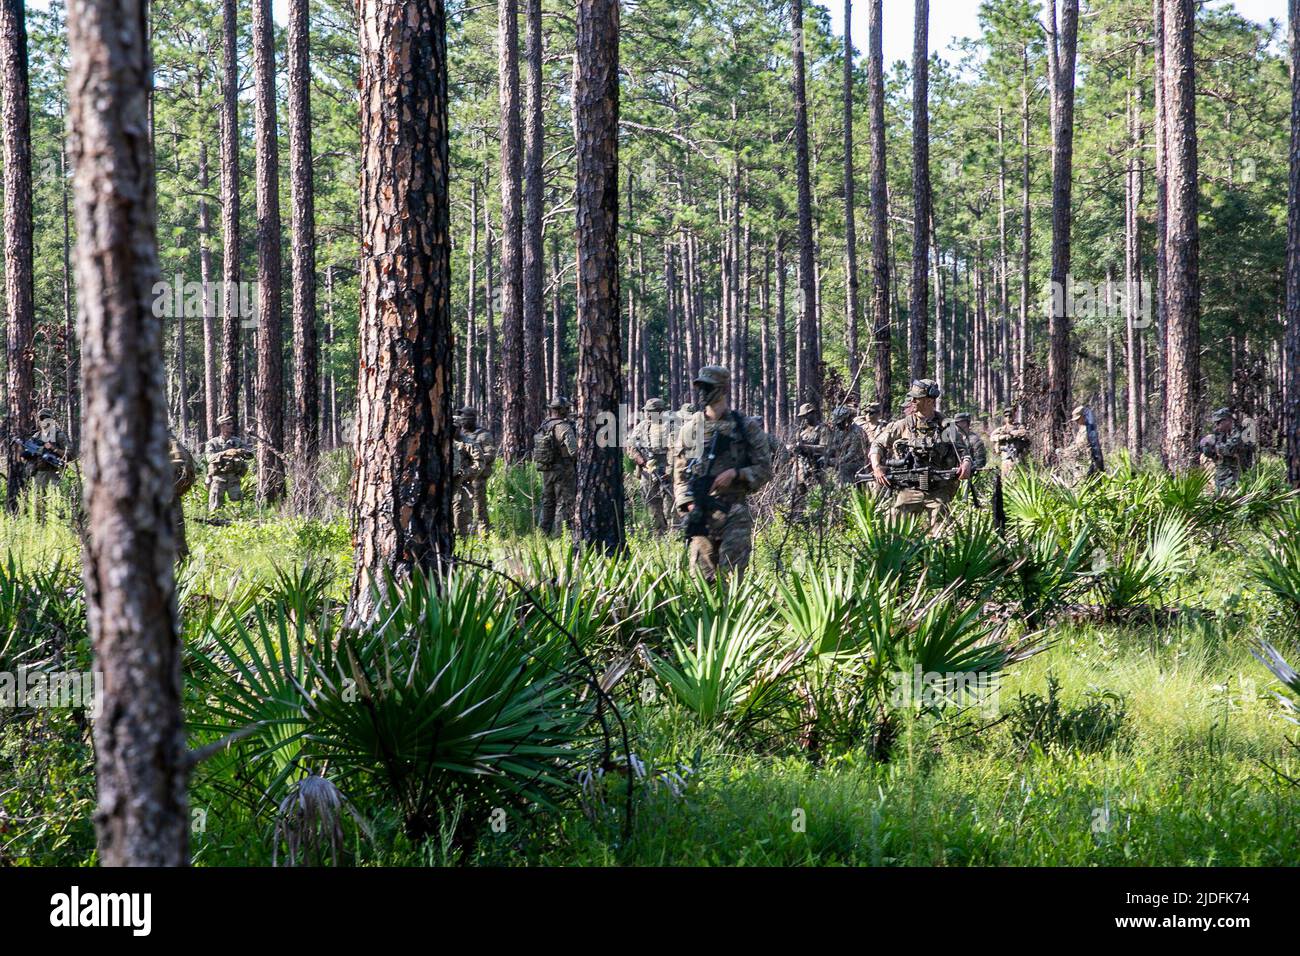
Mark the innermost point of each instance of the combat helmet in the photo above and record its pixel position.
(655, 405)
(806, 410)
(924, 388)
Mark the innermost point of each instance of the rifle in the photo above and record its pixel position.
(34, 450)
(700, 483)
(999, 504)
(908, 472)
(1094, 441)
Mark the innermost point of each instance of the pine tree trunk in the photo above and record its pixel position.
(514, 421)
(72, 370)
(1162, 215)
(600, 379)
(1133, 274)
(534, 259)
(782, 383)
(16, 134)
(231, 320)
(879, 208)
(1182, 240)
(850, 226)
(1064, 40)
(1291, 393)
(1026, 226)
(305, 362)
(401, 485)
(210, 343)
(809, 356)
(140, 755)
(918, 304)
(270, 337)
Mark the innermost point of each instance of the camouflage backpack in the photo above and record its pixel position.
(544, 451)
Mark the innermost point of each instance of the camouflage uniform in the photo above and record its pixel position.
(184, 473)
(1074, 461)
(812, 445)
(1227, 452)
(729, 539)
(943, 444)
(650, 444)
(560, 479)
(42, 473)
(474, 454)
(979, 452)
(225, 470)
(848, 446)
(1010, 443)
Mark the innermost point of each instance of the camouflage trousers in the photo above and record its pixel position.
(42, 481)
(222, 488)
(656, 501)
(559, 495)
(1225, 480)
(934, 505)
(728, 544)
(176, 514)
(469, 501)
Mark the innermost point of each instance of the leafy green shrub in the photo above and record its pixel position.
(1091, 726)
(515, 499)
(1143, 572)
(1277, 567)
(449, 694)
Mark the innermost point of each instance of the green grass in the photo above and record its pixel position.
(1185, 778)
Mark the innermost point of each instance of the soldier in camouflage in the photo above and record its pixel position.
(810, 448)
(1074, 461)
(1227, 449)
(1010, 443)
(649, 441)
(51, 437)
(932, 442)
(848, 446)
(719, 460)
(979, 452)
(226, 456)
(555, 451)
(185, 472)
(474, 453)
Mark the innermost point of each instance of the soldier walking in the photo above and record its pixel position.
(555, 452)
(979, 452)
(929, 447)
(1010, 443)
(226, 455)
(474, 454)
(719, 461)
(1075, 460)
(848, 446)
(1227, 449)
(649, 441)
(43, 472)
(185, 472)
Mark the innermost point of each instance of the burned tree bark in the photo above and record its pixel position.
(401, 486)
(140, 756)
(600, 377)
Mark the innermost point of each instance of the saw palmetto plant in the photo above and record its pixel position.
(1143, 572)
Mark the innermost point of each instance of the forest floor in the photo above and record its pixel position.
(1142, 742)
